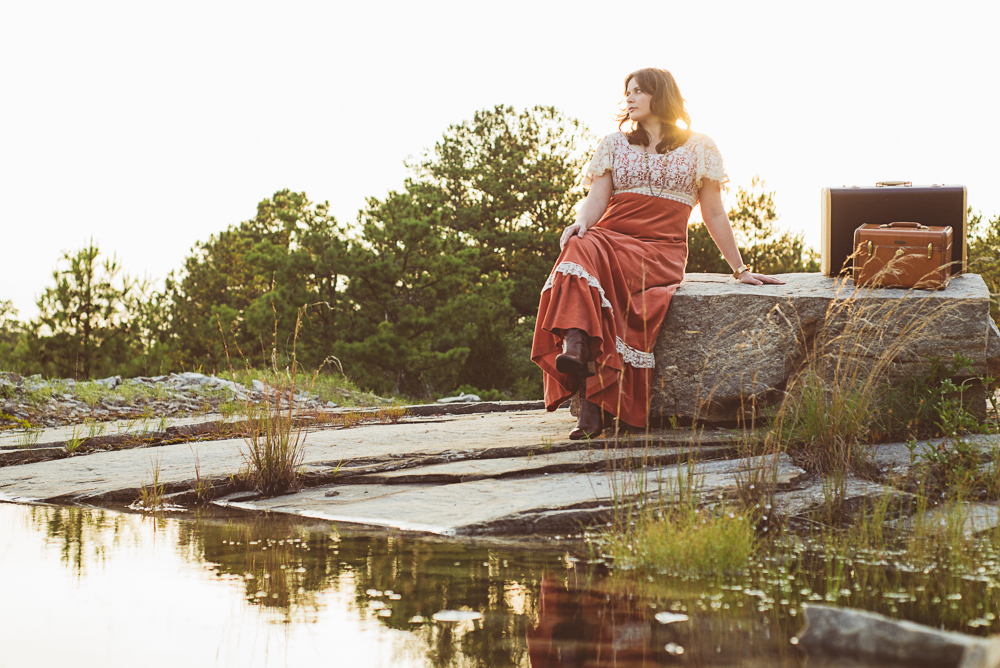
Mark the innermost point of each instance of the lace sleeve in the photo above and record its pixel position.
(709, 164)
(600, 163)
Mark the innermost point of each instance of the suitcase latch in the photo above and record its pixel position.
(930, 249)
(869, 246)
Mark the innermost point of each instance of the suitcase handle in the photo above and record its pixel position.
(915, 226)
(880, 184)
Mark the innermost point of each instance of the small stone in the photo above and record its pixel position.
(110, 382)
(192, 378)
(11, 377)
(215, 381)
(462, 398)
(867, 636)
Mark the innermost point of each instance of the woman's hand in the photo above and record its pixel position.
(714, 214)
(758, 279)
(577, 228)
(591, 210)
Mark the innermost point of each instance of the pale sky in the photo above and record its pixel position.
(148, 126)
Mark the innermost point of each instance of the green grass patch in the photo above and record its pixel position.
(93, 394)
(684, 540)
(932, 404)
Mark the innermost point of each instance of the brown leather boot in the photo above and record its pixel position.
(576, 360)
(589, 424)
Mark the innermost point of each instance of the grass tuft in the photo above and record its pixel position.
(29, 438)
(684, 539)
(273, 430)
(202, 488)
(75, 440)
(274, 442)
(662, 524)
(390, 414)
(151, 495)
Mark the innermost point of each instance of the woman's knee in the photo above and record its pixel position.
(587, 247)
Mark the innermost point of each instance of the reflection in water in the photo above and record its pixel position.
(611, 625)
(82, 534)
(399, 583)
(286, 568)
(536, 608)
(571, 630)
(281, 565)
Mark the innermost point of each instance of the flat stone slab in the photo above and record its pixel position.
(468, 470)
(16, 439)
(895, 458)
(510, 473)
(561, 502)
(118, 475)
(974, 518)
(799, 503)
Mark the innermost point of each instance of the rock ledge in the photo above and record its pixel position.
(727, 349)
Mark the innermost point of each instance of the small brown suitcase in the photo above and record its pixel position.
(905, 255)
(843, 209)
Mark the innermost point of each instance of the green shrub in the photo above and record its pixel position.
(932, 404)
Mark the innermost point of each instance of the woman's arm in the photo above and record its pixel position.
(592, 208)
(721, 230)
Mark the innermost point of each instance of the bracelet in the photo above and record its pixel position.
(738, 272)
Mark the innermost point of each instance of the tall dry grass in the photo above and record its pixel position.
(832, 402)
(272, 429)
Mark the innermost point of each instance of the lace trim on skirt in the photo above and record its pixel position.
(573, 269)
(636, 358)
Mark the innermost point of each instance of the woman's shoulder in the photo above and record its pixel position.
(698, 139)
(613, 139)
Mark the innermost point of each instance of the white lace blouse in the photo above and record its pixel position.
(676, 175)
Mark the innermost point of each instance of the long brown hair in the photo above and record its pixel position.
(668, 105)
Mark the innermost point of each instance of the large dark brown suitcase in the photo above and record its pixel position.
(845, 209)
(902, 254)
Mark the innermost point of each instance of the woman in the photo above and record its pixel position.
(621, 261)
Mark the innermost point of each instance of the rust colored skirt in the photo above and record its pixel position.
(615, 284)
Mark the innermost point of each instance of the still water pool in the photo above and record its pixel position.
(93, 587)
